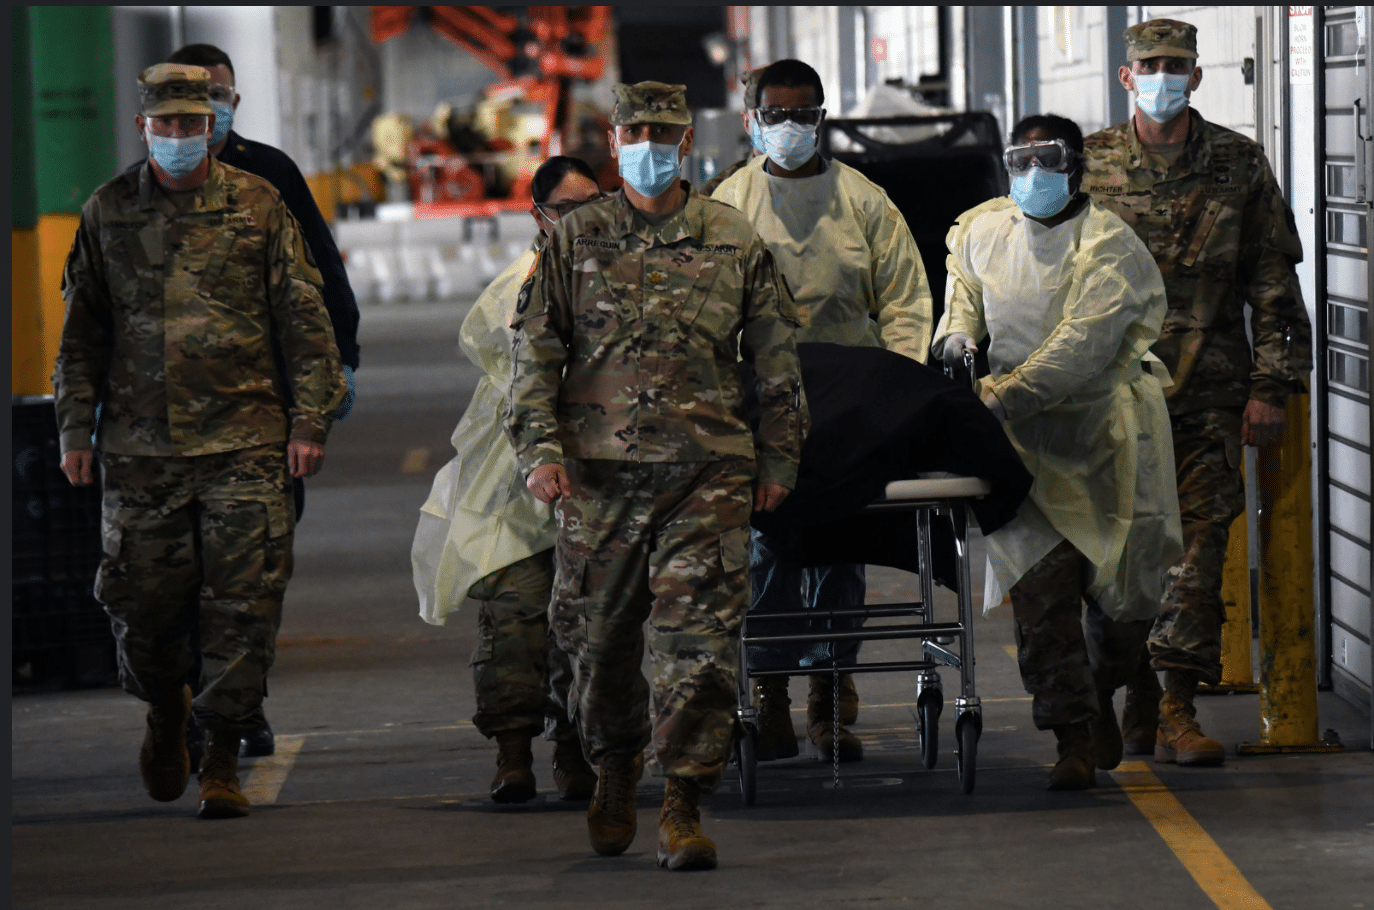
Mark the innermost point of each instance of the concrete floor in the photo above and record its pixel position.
(377, 797)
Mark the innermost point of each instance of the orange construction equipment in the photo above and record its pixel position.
(536, 60)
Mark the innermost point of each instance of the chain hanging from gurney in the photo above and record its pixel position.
(835, 720)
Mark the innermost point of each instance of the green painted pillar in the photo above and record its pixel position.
(23, 179)
(73, 103)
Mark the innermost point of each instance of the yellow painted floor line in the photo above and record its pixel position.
(1011, 650)
(415, 460)
(1210, 868)
(265, 781)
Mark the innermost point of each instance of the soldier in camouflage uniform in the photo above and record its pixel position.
(483, 535)
(626, 407)
(179, 275)
(1205, 201)
(750, 81)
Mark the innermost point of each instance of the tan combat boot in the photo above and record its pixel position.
(514, 780)
(777, 738)
(681, 845)
(820, 723)
(1140, 716)
(163, 760)
(1180, 739)
(220, 796)
(849, 699)
(611, 817)
(1077, 755)
(573, 777)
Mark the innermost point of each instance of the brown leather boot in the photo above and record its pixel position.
(220, 796)
(820, 723)
(681, 845)
(163, 760)
(1077, 755)
(777, 737)
(573, 777)
(611, 817)
(1107, 744)
(1180, 739)
(1140, 716)
(514, 780)
(849, 699)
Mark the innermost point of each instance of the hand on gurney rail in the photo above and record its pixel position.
(955, 347)
(548, 482)
(769, 496)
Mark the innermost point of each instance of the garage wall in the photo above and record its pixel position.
(1076, 55)
(239, 31)
(1226, 35)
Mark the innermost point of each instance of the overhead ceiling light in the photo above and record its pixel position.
(717, 48)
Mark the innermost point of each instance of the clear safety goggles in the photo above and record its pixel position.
(559, 209)
(806, 116)
(224, 94)
(1051, 155)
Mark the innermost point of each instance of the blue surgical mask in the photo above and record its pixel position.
(756, 136)
(1041, 193)
(224, 121)
(789, 144)
(651, 167)
(1161, 95)
(178, 156)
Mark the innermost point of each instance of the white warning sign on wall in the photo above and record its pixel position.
(1301, 46)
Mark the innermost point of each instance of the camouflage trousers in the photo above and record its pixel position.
(779, 585)
(1066, 654)
(667, 543)
(1211, 495)
(520, 674)
(205, 538)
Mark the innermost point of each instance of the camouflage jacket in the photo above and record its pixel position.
(628, 340)
(170, 306)
(1223, 236)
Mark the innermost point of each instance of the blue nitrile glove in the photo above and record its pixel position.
(347, 405)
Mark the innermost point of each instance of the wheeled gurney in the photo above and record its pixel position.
(947, 644)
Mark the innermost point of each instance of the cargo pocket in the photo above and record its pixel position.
(732, 599)
(1234, 452)
(111, 533)
(111, 540)
(485, 648)
(277, 560)
(567, 611)
(734, 550)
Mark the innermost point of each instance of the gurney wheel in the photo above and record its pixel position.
(966, 730)
(746, 759)
(928, 708)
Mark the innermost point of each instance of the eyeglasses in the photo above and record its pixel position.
(1052, 155)
(562, 208)
(806, 116)
(222, 93)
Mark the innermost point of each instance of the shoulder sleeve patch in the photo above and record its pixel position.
(522, 301)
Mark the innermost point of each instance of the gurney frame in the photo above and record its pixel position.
(923, 496)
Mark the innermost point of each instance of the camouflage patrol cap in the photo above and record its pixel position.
(650, 102)
(174, 88)
(1161, 38)
(750, 81)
